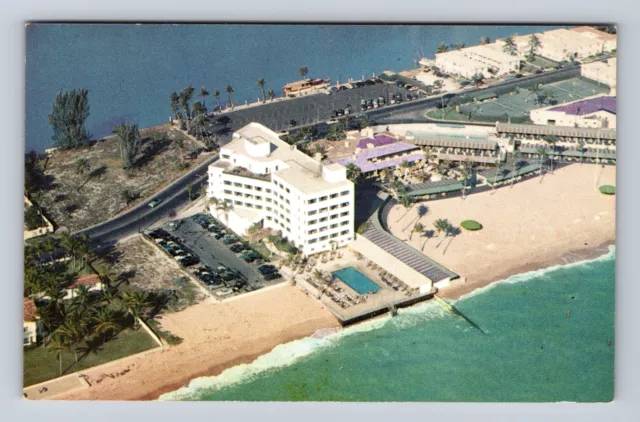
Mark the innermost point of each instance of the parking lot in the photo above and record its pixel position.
(310, 109)
(192, 243)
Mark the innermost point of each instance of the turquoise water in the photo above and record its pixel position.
(356, 280)
(547, 339)
(130, 70)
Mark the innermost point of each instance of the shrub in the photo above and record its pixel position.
(608, 189)
(33, 219)
(471, 225)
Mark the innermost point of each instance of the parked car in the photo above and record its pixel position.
(342, 88)
(538, 71)
(267, 268)
(154, 203)
(339, 112)
(228, 240)
(518, 75)
(188, 261)
(236, 248)
(219, 235)
(292, 123)
(272, 276)
(174, 225)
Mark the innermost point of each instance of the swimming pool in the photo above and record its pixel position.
(356, 280)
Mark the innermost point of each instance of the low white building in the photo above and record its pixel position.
(481, 59)
(595, 113)
(262, 179)
(603, 72)
(31, 327)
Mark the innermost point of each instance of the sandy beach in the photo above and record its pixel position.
(215, 337)
(532, 225)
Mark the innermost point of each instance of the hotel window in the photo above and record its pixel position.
(323, 229)
(267, 190)
(323, 198)
(249, 204)
(344, 223)
(227, 191)
(238, 185)
(287, 189)
(334, 216)
(342, 233)
(333, 207)
(248, 187)
(269, 200)
(287, 201)
(259, 189)
(313, 201)
(275, 220)
(259, 207)
(227, 200)
(344, 193)
(333, 236)
(323, 219)
(344, 214)
(269, 218)
(288, 221)
(333, 226)
(334, 195)
(268, 208)
(324, 238)
(314, 231)
(314, 212)
(325, 209)
(258, 198)
(344, 204)
(313, 222)
(227, 156)
(312, 241)
(237, 202)
(228, 183)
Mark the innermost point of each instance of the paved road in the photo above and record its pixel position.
(139, 218)
(308, 110)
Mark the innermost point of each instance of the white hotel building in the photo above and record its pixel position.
(265, 180)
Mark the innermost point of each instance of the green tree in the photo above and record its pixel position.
(542, 152)
(185, 97)
(337, 131)
(551, 140)
(229, 92)
(271, 94)
(68, 117)
(204, 94)
(216, 94)
(303, 71)
(104, 320)
(82, 166)
(127, 196)
(417, 228)
(130, 142)
(179, 142)
(261, 83)
(59, 344)
(460, 46)
(534, 46)
(510, 46)
(428, 234)
(175, 106)
(442, 48)
(581, 150)
(353, 173)
(33, 172)
(136, 303)
(485, 40)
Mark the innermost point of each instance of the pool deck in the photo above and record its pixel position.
(376, 303)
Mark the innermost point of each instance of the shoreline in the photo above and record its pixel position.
(457, 289)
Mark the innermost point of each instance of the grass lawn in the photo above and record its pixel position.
(41, 364)
(77, 200)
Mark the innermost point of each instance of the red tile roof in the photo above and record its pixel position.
(85, 280)
(29, 310)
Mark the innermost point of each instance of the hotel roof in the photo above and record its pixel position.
(376, 141)
(592, 105)
(539, 130)
(85, 280)
(591, 31)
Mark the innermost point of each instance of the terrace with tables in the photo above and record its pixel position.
(457, 147)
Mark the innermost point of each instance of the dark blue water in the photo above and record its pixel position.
(548, 336)
(357, 281)
(130, 70)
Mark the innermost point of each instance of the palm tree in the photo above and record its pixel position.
(179, 141)
(222, 206)
(460, 46)
(216, 94)
(442, 225)
(271, 94)
(303, 71)
(581, 149)
(466, 173)
(204, 94)
(105, 321)
(353, 172)
(106, 275)
(542, 152)
(442, 48)
(534, 45)
(510, 46)
(58, 343)
(136, 303)
(407, 202)
(422, 211)
(515, 157)
(82, 166)
(428, 234)
(418, 227)
(185, 97)
(229, 91)
(175, 103)
(189, 190)
(198, 108)
(261, 85)
(485, 40)
(551, 140)
(73, 329)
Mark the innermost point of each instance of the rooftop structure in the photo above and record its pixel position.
(267, 181)
(373, 159)
(29, 310)
(305, 85)
(376, 141)
(596, 112)
(31, 328)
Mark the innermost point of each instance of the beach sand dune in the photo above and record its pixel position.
(215, 337)
(534, 224)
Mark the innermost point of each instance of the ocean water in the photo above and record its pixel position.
(548, 337)
(130, 70)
